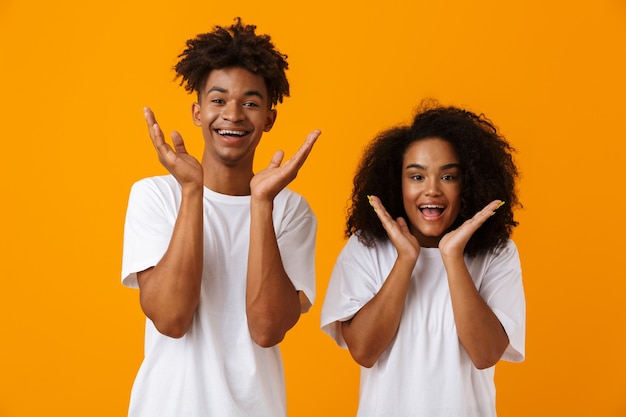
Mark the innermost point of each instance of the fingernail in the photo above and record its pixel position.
(499, 205)
(369, 198)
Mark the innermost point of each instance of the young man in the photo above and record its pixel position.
(223, 257)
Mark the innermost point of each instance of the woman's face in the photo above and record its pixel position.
(431, 189)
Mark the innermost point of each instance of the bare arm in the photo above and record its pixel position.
(169, 292)
(479, 330)
(272, 303)
(371, 330)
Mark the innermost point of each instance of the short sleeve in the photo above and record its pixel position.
(503, 291)
(296, 238)
(147, 229)
(356, 278)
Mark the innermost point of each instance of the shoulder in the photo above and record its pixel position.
(503, 259)
(362, 269)
(290, 202)
(163, 182)
(155, 194)
(151, 187)
(378, 245)
(505, 249)
(380, 251)
(287, 196)
(508, 245)
(508, 249)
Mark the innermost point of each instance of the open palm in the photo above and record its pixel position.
(398, 231)
(453, 243)
(267, 183)
(183, 166)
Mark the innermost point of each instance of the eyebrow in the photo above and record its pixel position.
(442, 168)
(246, 94)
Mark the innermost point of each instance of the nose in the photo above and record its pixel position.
(232, 112)
(432, 186)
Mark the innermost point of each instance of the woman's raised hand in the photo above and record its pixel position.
(398, 231)
(453, 243)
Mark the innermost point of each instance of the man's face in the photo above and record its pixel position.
(233, 113)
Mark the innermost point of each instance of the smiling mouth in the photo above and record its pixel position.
(235, 133)
(431, 210)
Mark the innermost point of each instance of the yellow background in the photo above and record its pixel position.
(75, 76)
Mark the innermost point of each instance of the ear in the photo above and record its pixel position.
(196, 109)
(270, 120)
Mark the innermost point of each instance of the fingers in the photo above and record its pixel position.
(387, 221)
(179, 144)
(311, 139)
(404, 227)
(302, 154)
(156, 134)
(471, 225)
(164, 150)
(398, 231)
(277, 159)
(292, 166)
(380, 210)
(488, 211)
(453, 243)
(149, 116)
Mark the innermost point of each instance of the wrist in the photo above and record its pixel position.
(259, 201)
(453, 261)
(261, 208)
(406, 261)
(192, 190)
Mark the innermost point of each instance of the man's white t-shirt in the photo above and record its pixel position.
(425, 371)
(215, 369)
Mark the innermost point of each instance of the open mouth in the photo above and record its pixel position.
(233, 133)
(431, 210)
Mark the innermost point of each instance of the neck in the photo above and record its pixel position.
(227, 179)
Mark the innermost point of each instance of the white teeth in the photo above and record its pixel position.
(431, 206)
(231, 132)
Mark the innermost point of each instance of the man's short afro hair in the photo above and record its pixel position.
(234, 46)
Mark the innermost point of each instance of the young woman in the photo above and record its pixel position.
(427, 293)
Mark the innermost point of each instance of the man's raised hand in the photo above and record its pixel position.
(184, 167)
(267, 183)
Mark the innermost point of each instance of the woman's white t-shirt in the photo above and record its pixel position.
(425, 371)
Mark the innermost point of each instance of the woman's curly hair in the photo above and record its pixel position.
(488, 173)
(234, 46)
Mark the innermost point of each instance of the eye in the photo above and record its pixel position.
(217, 101)
(451, 177)
(250, 104)
(417, 177)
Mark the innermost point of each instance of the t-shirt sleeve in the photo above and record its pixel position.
(503, 291)
(354, 281)
(147, 230)
(296, 241)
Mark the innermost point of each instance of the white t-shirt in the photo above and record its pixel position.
(215, 369)
(425, 371)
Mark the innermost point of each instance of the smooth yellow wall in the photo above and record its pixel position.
(75, 75)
